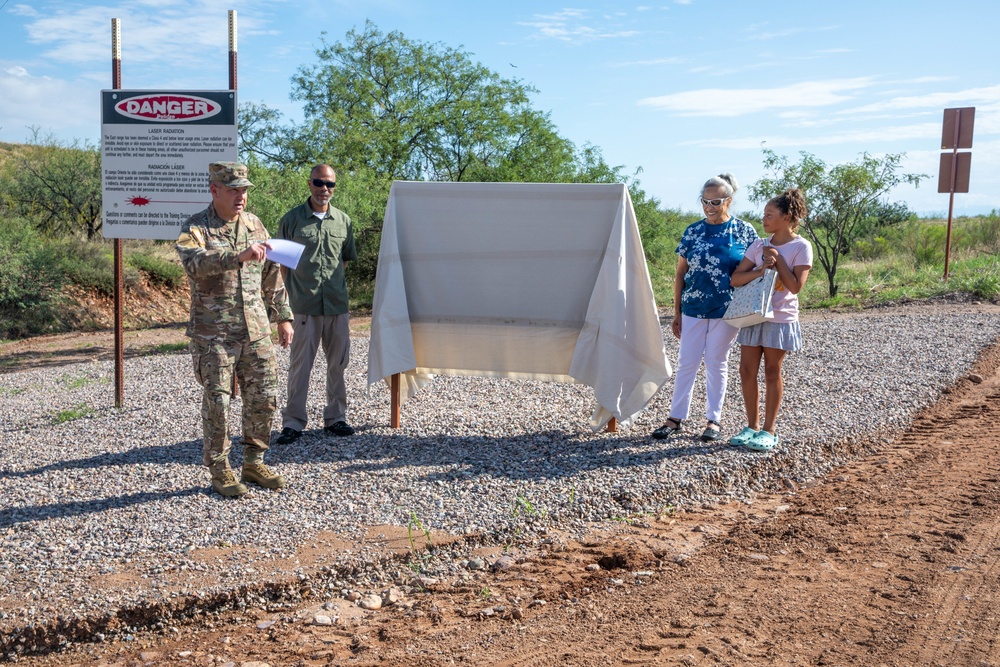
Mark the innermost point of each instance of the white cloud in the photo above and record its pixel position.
(179, 34)
(23, 10)
(740, 102)
(929, 131)
(755, 31)
(787, 32)
(940, 100)
(569, 25)
(28, 101)
(654, 61)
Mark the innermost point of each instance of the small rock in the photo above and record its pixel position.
(681, 559)
(185, 654)
(391, 596)
(322, 619)
(975, 377)
(503, 563)
(264, 625)
(593, 567)
(148, 656)
(370, 602)
(354, 596)
(758, 557)
(477, 563)
(516, 614)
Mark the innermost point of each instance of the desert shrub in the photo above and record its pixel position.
(925, 242)
(873, 248)
(87, 265)
(276, 190)
(982, 234)
(158, 270)
(979, 275)
(889, 214)
(28, 307)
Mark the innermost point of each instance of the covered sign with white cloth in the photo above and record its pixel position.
(535, 281)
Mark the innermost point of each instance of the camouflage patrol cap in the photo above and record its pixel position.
(230, 174)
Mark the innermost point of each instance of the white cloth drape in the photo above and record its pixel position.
(518, 280)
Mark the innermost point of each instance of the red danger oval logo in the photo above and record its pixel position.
(177, 108)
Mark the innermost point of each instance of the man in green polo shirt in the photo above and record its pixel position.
(317, 289)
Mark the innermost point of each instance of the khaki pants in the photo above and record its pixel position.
(334, 332)
(256, 368)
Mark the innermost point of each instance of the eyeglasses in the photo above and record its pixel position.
(319, 183)
(704, 202)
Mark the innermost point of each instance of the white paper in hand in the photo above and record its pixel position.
(284, 252)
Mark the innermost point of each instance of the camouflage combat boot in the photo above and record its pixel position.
(225, 484)
(256, 472)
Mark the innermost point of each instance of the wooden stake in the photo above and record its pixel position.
(394, 417)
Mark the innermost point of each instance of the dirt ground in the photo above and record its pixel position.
(890, 560)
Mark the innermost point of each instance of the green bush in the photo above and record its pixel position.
(925, 242)
(980, 276)
(158, 270)
(979, 234)
(871, 248)
(28, 307)
(276, 190)
(661, 231)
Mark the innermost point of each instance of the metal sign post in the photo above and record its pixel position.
(955, 167)
(235, 388)
(155, 147)
(116, 82)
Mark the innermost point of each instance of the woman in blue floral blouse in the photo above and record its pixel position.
(709, 252)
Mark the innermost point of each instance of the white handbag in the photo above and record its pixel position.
(751, 303)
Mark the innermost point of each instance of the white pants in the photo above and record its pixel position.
(712, 341)
(334, 333)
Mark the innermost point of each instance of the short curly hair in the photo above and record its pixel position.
(791, 202)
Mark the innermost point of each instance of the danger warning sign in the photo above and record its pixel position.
(155, 150)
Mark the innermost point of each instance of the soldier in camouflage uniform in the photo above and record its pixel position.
(234, 292)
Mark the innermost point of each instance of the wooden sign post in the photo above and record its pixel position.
(953, 174)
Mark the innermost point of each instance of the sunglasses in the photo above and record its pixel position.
(320, 183)
(707, 202)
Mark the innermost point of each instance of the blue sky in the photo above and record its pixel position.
(683, 89)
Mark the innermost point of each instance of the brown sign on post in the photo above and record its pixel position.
(960, 136)
(962, 170)
(955, 167)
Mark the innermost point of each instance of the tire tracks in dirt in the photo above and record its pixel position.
(890, 560)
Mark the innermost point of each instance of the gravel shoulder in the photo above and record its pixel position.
(108, 532)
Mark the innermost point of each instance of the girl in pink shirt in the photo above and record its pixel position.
(791, 256)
